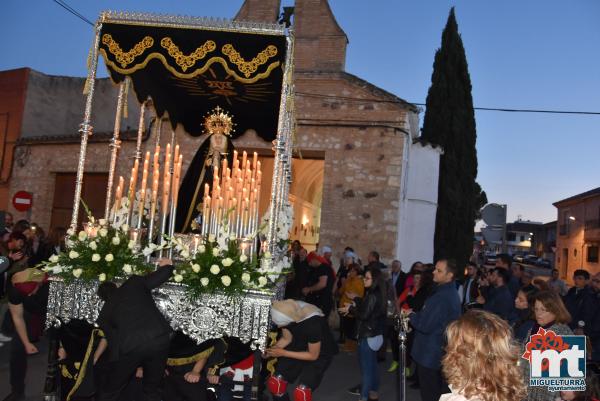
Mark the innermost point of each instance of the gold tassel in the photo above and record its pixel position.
(125, 97)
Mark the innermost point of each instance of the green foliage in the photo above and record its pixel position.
(450, 123)
(218, 269)
(105, 254)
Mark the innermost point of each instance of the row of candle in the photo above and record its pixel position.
(234, 196)
(171, 175)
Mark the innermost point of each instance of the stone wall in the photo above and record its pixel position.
(358, 130)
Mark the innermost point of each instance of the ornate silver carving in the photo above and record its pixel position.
(283, 146)
(85, 129)
(114, 146)
(211, 316)
(185, 21)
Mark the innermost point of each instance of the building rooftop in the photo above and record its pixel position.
(589, 194)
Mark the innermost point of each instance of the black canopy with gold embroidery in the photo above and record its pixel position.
(188, 71)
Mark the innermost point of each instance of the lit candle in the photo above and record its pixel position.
(236, 163)
(166, 181)
(142, 202)
(224, 169)
(154, 198)
(244, 159)
(155, 181)
(133, 182)
(196, 243)
(119, 193)
(215, 177)
(176, 178)
(254, 161)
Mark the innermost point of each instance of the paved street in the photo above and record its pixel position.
(342, 374)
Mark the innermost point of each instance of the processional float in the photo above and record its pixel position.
(206, 76)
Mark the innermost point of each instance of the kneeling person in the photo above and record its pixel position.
(304, 351)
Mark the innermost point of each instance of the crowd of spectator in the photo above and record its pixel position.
(469, 326)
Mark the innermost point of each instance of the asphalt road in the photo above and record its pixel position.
(342, 374)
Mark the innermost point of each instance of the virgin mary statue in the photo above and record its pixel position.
(218, 125)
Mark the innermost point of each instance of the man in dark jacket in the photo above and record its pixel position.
(442, 307)
(592, 317)
(504, 261)
(577, 296)
(374, 262)
(136, 331)
(499, 301)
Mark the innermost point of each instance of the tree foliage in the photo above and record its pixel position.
(450, 123)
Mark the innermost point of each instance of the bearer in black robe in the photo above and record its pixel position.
(81, 345)
(185, 380)
(137, 333)
(218, 145)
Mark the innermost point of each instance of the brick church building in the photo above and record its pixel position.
(361, 176)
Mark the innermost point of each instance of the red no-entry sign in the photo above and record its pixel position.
(22, 201)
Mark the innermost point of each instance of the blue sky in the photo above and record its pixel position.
(540, 54)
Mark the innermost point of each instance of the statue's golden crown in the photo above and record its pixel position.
(218, 121)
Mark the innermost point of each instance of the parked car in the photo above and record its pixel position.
(543, 263)
(530, 259)
(490, 258)
(518, 258)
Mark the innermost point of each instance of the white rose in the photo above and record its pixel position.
(57, 269)
(204, 281)
(93, 246)
(103, 232)
(109, 257)
(127, 269)
(82, 236)
(125, 227)
(201, 249)
(245, 277)
(73, 255)
(226, 280)
(53, 258)
(116, 240)
(262, 281)
(178, 278)
(211, 238)
(70, 232)
(214, 269)
(102, 277)
(267, 255)
(232, 238)
(243, 258)
(227, 262)
(185, 254)
(196, 268)
(96, 257)
(77, 272)
(102, 222)
(216, 251)
(131, 244)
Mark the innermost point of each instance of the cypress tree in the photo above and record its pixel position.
(450, 123)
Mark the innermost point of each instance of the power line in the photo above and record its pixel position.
(73, 11)
(509, 110)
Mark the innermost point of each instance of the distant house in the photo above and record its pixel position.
(520, 236)
(578, 233)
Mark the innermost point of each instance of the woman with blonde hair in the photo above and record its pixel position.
(481, 360)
